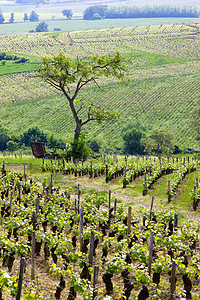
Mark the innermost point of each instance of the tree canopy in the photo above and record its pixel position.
(34, 17)
(146, 11)
(159, 141)
(11, 20)
(42, 27)
(132, 135)
(70, 76)
(2, 19)
(67, 13)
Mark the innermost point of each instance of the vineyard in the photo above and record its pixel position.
(93, 243)
(164, 81)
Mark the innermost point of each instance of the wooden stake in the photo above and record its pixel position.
(151, 207)
(150, 254)
(106, 173)
(33, 256)
(175, 222)
(109, 200)
(3, 168)
(11, 194)
(34, 220)
(81, 229)
(37, 201)
(95, 282)
(91, 248)
(173, 284)
(25, 173)
(21, 274)
(75, 209)
(129, 223)
(19, 191)
(115, 206)
(79, 196)
(45, 199)
(169, 191)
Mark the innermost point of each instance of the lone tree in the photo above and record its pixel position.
(159, 141)
(2, 19)
(11, 20)
(25, 17)
(34, 17)
(67, 13)
(70, 76)
(42, 27)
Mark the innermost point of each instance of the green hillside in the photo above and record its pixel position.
(162, 93)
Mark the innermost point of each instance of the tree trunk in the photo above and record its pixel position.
(77, 130)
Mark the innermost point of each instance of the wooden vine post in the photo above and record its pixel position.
(169, 192)
(81, 229)
(106, 173)
(150, 254)
(37, 202)
(91, 248)
(194, 201)
(34, 220)
(19, 191)
(79, 196)
(115, 206)
(3, 168)
(173, 283)
(33, 256)
(11, 195)
(25, 174)
(109, 200)
(151, 207)
(45, 198)
(75, 206)
(95, 282)
(175, 222)
(21, 274)
(129, 223)
(51, 184)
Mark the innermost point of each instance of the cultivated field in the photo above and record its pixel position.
(163, 90)
(137, 238)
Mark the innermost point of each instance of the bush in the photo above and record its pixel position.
(12, 146)
(78, 149)
(4, 138)
(42, 27)
(132, 135)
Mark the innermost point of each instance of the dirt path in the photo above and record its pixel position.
(136, 202)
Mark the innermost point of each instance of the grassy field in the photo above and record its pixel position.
(74, 25)
(163, 91)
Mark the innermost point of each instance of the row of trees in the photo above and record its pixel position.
(11, 143)
(34, 17)
(156, 11)
(138, 141)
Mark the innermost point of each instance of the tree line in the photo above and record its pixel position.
(34, 17)
(155, 11)
(12, 143)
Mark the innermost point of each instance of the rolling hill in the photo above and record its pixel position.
(163, 91)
